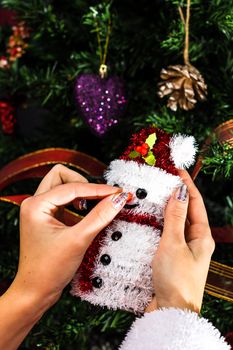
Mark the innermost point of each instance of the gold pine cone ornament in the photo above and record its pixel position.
(183, 84)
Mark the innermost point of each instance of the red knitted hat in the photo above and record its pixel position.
(155, 147)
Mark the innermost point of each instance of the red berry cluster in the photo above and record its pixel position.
(16, 45)
(143, 149)
(7, 117)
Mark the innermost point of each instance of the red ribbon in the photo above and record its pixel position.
(224, 135)
(37, 164)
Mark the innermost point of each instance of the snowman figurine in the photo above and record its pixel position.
(116, 270)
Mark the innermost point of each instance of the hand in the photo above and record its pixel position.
(181, 262)
(50, 251)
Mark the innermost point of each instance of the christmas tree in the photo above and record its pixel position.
(45, 46)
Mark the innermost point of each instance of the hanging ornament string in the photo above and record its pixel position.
(182, 15)
(103, 51)
(100, 98)
(183, 83)
(186, 42)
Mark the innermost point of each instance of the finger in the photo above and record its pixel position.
(98, 218)
(196, 211)
(58, 175)
(197, 215)
(66, 193)
(175, 216)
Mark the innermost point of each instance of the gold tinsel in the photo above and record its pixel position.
(184, 84)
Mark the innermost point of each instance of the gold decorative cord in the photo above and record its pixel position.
(220, 276)
(186, 22)
(220, 281)
(103, 52)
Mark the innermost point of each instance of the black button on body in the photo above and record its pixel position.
(116, 235)
(105, 259)
(97, 282)
(141, 193)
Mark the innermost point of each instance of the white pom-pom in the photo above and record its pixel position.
(183, 150)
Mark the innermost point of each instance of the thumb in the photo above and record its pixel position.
(175, 215)
(99, 217)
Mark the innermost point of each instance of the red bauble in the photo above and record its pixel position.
(7, 117)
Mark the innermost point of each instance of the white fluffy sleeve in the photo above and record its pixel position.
(173, 329)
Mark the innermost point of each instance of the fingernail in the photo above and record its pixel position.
(182, 193)
(119, 200)
(130, 196)
(82, 204)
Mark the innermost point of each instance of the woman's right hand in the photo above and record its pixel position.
(181, 262)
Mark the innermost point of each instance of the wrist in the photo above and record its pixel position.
(177, 303)
(31, 302)
(20, 309)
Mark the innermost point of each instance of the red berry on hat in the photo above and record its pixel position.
(144, 152)
(145, 145)
(138, 149)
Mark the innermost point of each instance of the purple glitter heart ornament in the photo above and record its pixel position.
(101, 101)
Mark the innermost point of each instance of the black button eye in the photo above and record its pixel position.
(116, 235)
(141, 193)
(97, 282)
(105, 259)
(116, 185)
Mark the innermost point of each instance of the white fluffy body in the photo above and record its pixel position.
(158, 183)
(183, 150)
(173, 329)
(127, 280)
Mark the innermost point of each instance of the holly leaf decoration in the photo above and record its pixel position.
(148, 156)
(134, 154)
(151, 140)
(150, 159)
